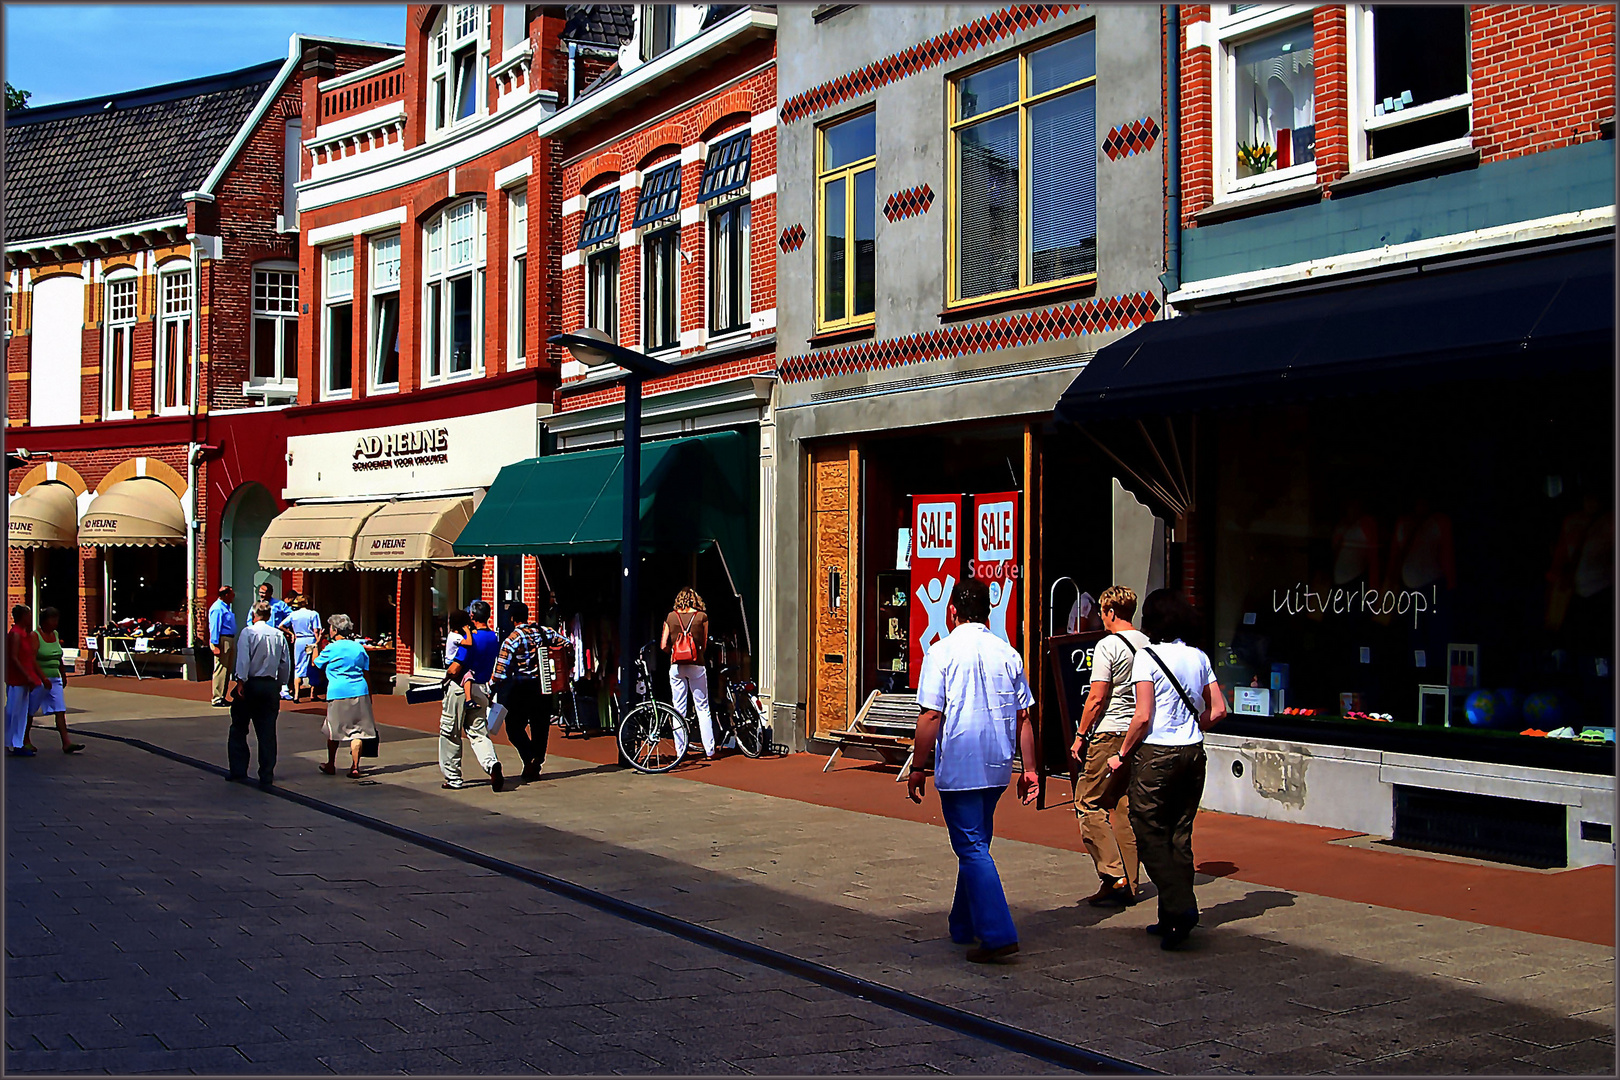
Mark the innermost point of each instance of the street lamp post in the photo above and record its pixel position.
(593, 348)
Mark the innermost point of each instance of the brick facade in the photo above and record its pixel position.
(1542, 78)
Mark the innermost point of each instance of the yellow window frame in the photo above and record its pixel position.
(824, 179)
(1025, 102)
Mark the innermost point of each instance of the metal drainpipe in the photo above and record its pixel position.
(573, 57)
(1171, 278)
(192, 445)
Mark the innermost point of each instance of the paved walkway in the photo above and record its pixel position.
(1281, 979)
(160, 920)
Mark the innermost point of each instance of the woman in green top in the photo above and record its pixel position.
(49, 698)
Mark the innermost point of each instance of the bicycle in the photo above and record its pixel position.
(654, 737)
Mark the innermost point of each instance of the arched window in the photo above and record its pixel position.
(458, 57)
(453, 292)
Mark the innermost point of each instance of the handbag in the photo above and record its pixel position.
(684, 650)
(368, 747)
(497, 717)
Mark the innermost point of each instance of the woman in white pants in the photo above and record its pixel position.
(686, 638)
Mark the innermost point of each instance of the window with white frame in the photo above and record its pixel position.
(8, 310)
(275, 328)
(384, 281)
(657, 30)
(337, 323)
(1412, 90)
(173, 387)
(729, 289)
(453, 292)
(598, 238)
(514, 25)
(660, 293)
(1265, 95)
(517, 279)
(456, 63)
(117, 364)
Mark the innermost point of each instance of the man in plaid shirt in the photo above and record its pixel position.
(528, 711)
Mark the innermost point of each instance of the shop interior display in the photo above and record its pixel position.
(894, 622)
(162, 636)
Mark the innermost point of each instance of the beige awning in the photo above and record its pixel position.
(314, 536)
(138, 512)
(408, 534)
(44, 516)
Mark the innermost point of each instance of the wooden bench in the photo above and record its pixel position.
(886, 723)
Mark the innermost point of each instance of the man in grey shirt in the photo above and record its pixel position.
(263, 666)
(1100, 803)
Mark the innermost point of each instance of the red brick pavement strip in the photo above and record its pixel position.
(1575, 904)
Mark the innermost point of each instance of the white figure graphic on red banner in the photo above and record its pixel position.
(936, 561)
(995, 562)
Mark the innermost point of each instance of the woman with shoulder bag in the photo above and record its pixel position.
(1177, 700)
(686, 637)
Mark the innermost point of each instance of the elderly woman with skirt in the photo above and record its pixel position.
(348, 698)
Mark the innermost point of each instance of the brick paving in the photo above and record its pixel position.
(1279, 980)
(161, 920)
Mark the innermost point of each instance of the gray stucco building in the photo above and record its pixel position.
(970, 205)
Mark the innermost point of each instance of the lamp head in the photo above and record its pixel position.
(579, 345)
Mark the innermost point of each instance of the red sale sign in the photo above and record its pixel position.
(995, 558)
(936, 563)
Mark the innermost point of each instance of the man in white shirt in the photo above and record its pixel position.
(975, 713)
(263, 666)
(1100, 802)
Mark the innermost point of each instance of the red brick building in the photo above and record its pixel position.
(139, 228)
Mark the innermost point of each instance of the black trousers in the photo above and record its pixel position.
(1167, 783)
(528, 720)
(261, 702)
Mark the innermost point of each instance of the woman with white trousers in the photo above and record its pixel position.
(686, 638)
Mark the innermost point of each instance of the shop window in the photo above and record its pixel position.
(660, 294)
(384, 280)
(275, 329)
(174, 340)
(1024, 172)
(660, 195)
(657, 30)
(726, 169)
(447, 589)
(453, 292)
(338, 323)
(602, 291)
(729, 297)
(847, 183)
(117, 366)
(456, 63)
(1269, 85)
(1414, 78)
(517, 277)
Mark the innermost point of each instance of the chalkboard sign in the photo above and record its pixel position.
(1070, 658)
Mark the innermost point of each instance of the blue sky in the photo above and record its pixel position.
(64, 52)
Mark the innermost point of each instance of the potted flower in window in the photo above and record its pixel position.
(1256, 158)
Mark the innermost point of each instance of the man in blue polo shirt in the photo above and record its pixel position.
(222, 642)
(466, 701)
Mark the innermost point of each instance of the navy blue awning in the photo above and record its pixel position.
(1522, 317)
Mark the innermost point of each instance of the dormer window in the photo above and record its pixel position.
(657, 30)
(456, 64)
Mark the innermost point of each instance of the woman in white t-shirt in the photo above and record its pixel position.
(1177, 699)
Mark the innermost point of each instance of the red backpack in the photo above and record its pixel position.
(684, 650)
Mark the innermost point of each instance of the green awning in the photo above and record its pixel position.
(570, 504)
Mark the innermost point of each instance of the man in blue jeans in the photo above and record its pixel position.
(975, 704)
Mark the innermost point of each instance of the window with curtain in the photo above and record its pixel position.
(117, 365)
(1024, 171)
(385, 312)
(660, 309)
(517, 277)
(453, 291)
(602, 291)
(338, 302)
(174, 340)
(729, 295)
(275, 327)
(846, 179)
(1274, 98)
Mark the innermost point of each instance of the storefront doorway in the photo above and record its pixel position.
(242, 527)
(54, 583)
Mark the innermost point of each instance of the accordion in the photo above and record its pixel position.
(556, 666)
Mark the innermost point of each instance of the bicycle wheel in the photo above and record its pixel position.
(650, 737)
(747, 725)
